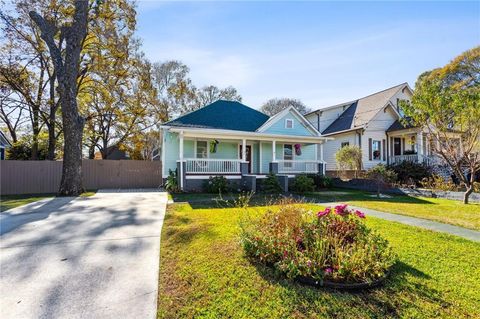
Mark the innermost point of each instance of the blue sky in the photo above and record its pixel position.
(322, 53)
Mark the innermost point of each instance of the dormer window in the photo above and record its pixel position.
(288, 123)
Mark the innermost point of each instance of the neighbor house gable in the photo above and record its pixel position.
(289, 122)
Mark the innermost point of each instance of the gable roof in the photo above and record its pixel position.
(399, 125)
(282, 113)
(363, 110)
(227, 115)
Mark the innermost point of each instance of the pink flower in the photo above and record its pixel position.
(341, 209)
(328, 270)
(359, 214)
(324, 212)
(309, 263)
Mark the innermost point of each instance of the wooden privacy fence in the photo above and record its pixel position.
(37, 177)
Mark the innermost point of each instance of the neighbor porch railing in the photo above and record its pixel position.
(212, 166)
(413, 158)
(286, 166)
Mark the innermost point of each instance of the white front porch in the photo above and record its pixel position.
(201, 154)
(409, 146)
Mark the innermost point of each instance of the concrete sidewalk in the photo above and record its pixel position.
(419, 222)
(94, 257)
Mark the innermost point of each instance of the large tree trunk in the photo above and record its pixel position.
(71, 183)
(66, 69)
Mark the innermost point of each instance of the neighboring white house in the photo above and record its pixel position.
(372, 123)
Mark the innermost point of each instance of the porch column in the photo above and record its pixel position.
(244, 150)
(321, 165)
(420, 145)
(181, 166)
(273, 167)
(274, 151)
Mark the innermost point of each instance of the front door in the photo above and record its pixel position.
(397, 148)
(248, 155)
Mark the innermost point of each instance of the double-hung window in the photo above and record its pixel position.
(288, 154)
(202, 149)
(288, 123)
(376, 150)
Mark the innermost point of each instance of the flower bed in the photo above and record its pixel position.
(331, 248)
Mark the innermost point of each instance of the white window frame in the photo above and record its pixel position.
(289, 121)
(344, 143)
(379, 150)
(208, 149)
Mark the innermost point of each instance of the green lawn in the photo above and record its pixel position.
(441, 210)
(203, 274)
(12, 201)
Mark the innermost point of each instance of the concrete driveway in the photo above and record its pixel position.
(94, 257)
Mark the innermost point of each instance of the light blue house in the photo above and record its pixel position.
(233, 140)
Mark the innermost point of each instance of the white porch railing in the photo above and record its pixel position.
(212, 166)
(293, 166)
(414, 158)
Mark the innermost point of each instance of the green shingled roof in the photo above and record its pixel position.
(227, 115)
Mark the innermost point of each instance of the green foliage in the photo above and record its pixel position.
(321, 181)
(171, 184)
(271, 185)
(436, 182)
(349, 158)
(303, 183)
(411, 173)
(382, 176)
(217, 184)
(446, 102)
(333, 244)
(22, 150)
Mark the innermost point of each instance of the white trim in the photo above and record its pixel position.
(208, 176)
(289, 121)
(222, 134)
(163, 152)
(345, 131)
(260, 164)
(272, 120)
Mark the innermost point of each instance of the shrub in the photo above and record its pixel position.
(271, 185)
(171, 184)
(303, 183)
(322, 181)
(333, 244)
(382, 176)
(349, 157)
(476, 187)
(217, 184)
(436, 182)
(411, 173)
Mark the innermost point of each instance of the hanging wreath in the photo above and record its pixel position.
(298, 149)
(213, 146)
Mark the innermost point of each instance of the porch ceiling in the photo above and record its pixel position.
(240, 135)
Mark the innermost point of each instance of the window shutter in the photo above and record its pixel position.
(370, 149)
(403, 145)
(383, 150)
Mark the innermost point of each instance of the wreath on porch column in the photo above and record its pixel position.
(298, 149)
(213, 146)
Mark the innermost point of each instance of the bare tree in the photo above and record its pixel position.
(66, 61)
(273, 106)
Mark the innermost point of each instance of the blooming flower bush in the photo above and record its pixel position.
(330, 245)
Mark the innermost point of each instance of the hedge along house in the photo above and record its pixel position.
(242, 144)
